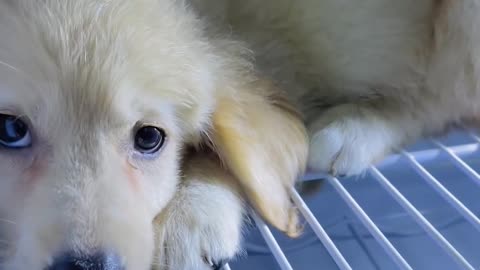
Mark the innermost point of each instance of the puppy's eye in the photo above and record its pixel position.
(149, 139)
(14, 132)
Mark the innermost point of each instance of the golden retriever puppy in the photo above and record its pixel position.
(369, 75)
(133, 132)
(131, 135)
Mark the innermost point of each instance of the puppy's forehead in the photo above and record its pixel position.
(56, 62)
(84, 59)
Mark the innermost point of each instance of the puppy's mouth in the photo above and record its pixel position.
(105, 261)
(97, 261)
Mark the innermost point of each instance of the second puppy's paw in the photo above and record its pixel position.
(346, 142)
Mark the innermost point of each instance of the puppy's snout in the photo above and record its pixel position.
(98, 261)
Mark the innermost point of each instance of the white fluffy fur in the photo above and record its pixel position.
(369, 76)
(83, 75)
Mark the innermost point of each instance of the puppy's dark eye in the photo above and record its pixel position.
(14, 132)
(149, 139)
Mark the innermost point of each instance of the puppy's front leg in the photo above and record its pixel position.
(347, 138)
(201, 228)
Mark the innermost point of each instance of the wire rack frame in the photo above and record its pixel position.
(415, 160)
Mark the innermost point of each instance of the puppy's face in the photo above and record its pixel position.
(90, 129)
(97, 100)
(83, 174)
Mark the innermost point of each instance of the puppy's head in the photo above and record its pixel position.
(97, 100)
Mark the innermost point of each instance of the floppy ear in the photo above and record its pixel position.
(262, 140)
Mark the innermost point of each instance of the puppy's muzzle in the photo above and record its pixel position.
(97, 261)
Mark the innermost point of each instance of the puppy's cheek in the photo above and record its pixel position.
(29, 177)
(160, 178)
(33, 173)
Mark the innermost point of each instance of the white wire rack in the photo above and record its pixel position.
(414, 159)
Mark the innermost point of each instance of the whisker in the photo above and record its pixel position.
(17, 70)
(8, 221)
(10, 66)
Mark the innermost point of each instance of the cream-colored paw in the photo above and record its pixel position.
(201, 230)
(345, 141)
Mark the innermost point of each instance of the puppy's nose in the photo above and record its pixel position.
(97, 261)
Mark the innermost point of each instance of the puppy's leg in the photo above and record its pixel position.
(202, 225)
(346, 139)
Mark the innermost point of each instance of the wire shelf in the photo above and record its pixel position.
(440, 190)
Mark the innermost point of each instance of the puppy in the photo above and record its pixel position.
(131, 135)
(134, 130)
(371, 76)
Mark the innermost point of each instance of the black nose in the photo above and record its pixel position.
(97, 261)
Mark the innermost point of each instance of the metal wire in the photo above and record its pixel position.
(271, 242)
(447, 195)
(462, 165)
(414, 159)
(320, 232)
(421, 220)
(369, 224)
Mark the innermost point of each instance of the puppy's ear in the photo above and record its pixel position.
(262, 140)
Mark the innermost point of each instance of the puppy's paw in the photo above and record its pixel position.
(201, 229)
(347, 139)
